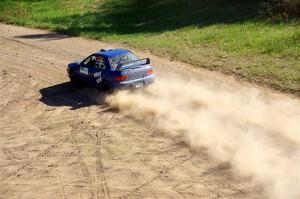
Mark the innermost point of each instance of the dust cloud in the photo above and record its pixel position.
(257, 134)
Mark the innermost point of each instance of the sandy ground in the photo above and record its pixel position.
(61, 142)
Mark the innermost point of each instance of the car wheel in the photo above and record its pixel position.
(105, 86)
(75, 81)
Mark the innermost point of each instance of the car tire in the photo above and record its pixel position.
(105, 86)
(75, 81)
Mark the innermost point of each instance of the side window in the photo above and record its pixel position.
(100, 62)
(90, 61)
(87, 61)
(93, 61)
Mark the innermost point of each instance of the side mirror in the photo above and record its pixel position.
(147, 61)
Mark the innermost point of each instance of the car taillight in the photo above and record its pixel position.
(121, 78)
(150, 72)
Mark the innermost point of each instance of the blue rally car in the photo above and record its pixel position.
(110, 69)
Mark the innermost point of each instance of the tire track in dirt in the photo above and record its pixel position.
(100, 185)
(237, 188)
(15, 99)
(107, 120)
(27, 164)
(61, 186)
(83, 166)
(100, 167)
(101, 177)
(24, 166)
(104, 127)
(149, 182)
(52, 147)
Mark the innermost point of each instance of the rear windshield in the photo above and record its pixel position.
(122, 59)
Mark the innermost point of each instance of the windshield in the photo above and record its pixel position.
(122, 59)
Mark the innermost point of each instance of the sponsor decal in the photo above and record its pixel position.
(99, 80)
(84, 70)
(98, 74)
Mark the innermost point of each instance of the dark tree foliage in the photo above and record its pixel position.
(282, 9)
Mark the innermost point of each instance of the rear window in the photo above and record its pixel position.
(122, 59)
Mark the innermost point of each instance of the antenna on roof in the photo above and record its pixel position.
(107, 49)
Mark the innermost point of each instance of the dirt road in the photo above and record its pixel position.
(60, 142)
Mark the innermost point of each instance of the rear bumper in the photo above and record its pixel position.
(136, 83)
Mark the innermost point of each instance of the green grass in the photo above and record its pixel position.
(227, 35)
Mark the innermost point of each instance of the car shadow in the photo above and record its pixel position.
(65, 94)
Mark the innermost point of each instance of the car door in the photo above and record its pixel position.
(97, 69)
(83, 71)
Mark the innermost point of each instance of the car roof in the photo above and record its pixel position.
(112, 52)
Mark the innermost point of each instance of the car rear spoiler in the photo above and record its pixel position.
(132, 64)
